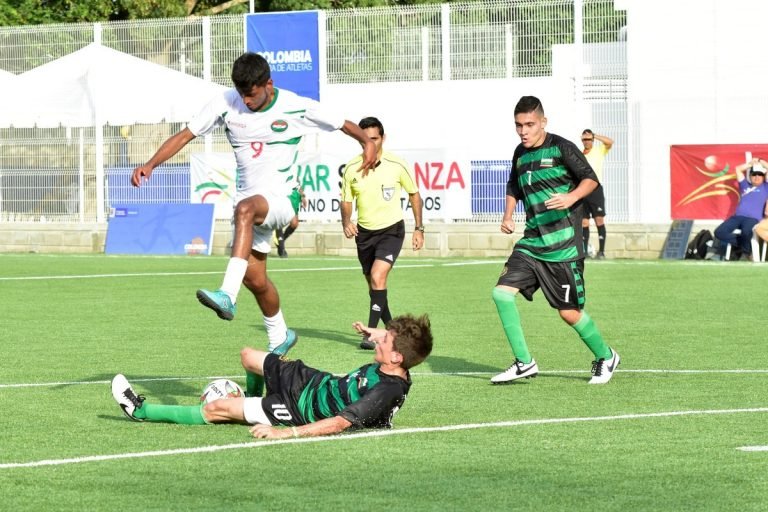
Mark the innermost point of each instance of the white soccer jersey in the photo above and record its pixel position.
(265, 143)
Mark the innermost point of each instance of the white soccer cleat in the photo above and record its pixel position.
(518, 370)
(602, 370)
(126, 398)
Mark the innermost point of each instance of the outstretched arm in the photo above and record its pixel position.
(369, 148)
(326, 427)
(167, 150)
(373, 333)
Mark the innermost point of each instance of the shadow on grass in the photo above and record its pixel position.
(157, 388)
(346, 337)
(472, 370)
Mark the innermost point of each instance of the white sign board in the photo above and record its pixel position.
(444, 183)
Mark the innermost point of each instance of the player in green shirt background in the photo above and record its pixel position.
(551, 176)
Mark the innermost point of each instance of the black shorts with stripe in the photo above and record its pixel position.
(379, 244)
(594, 203)
(561, 282)
(285, 380)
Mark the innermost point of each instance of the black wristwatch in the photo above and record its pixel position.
(419, 228)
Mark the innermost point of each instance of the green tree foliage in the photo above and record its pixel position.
(36, 12)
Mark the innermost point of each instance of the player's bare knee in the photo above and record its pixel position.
(379, 284)
(244, 211)
(213, 411)
(378, 280)
(255, 283)
(252, 359)
(246, 356)
(570, 316)
(223, 410)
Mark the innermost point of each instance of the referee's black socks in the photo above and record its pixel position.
(379, 308)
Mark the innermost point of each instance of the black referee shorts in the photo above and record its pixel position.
(380, 244)
(594, 204)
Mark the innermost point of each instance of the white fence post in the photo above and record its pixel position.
(509, 51)
(206, 27)
(425, 53)
(578, 49)
(81, 178)
(445, 29)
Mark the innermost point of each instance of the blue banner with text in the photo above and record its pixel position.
(290, 43)
(160, 229)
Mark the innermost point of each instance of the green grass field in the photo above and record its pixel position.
(664, 434)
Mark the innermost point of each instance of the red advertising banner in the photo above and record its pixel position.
(703, 181)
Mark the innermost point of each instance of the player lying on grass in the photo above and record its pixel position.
(307, 401)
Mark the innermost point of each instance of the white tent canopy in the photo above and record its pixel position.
(95, 86)
(6, 76)
(98, 85)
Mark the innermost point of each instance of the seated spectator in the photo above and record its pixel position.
(750, 210)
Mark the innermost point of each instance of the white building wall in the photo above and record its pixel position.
(472, 118)
(697, 75)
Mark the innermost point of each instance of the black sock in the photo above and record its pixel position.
(288, 232)
(601, 237)
(378, 299)
(386, 316)
(586, 238)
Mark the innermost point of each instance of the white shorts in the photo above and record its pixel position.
(279, 214)
(253, 412)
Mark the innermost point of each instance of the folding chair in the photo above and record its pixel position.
(757, 256)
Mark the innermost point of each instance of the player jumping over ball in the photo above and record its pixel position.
(264, 125)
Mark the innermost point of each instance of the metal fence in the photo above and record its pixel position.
(48, 174)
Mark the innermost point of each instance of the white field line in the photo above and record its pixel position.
(367, 434)
(201, 273)
(753, 448)
(143, 257)
(415, 374)
(490, 261)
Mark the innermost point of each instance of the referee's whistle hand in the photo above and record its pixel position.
(418, 240)
(350, 230)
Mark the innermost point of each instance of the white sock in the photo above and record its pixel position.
(276, 329)
(233, 277)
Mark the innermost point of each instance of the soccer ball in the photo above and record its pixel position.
(221, 388)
